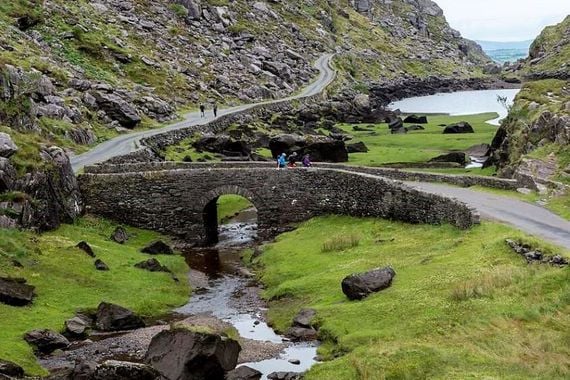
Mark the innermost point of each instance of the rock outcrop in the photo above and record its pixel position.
(46, 341)
(15, 291)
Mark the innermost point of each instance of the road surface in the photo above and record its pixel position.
(527, 217)
(128, 143)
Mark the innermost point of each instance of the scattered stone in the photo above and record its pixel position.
(461, 127)
(112, 317)
(284, 376)
(304, 318)
(76, 327)
(295, 361)
(85, 247)
(101, 266)
(152, 265)
(396, 123)
(302, 334)
(12, 370)
(119, 370)
(414, 119)
(83, 369)
(457, 157)
(7, 146)
(359, 286)
(183, 354)
(158, 248)
(243, 373)
(532, 255)
(15, 291)
(46, 341)
(120, 235)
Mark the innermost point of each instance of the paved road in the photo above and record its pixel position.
(527, 217)
(128, 143)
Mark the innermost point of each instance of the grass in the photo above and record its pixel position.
(229, 205)
(66, 280)
(462, 305)
(419, 146)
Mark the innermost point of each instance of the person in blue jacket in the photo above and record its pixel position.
(281, 161)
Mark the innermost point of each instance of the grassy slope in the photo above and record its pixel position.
(229, 205)
(66, 280)
(419, 146)
(462, 304)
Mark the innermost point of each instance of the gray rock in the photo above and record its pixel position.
(112, 317)
(359, 286)
(158, 248)
(81, 136)
(85, 247)
(76, 327)
(414, 119)
(15, 292)
(101, 266)
(304, 318)
(120, 235)
(302, 334)
(46, 341)
(12, 370)
(152, 265)
(358, 147)
(119, 370)
(284, 376)
(189, 355)
(8, 175)
(461, 127)
(457, 157)
(117, 109)
(7, 146)
(243, 373)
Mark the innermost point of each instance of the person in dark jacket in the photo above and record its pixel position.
(307, 161)
(292, 160)
(215, 109)
(202, 110)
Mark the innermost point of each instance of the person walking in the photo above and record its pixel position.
(307, 161)
(215, 109)
(292, 160)
(202, 110)
(281, 161)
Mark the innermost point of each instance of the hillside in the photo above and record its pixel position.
(533, 141)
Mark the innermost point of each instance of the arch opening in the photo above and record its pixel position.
(229, 219)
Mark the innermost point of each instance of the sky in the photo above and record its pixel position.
(503, 20)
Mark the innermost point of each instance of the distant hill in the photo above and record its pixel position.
(506, 51)
(498, 45)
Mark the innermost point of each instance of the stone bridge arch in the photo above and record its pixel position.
(209, 204)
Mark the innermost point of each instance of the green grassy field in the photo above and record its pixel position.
(462, 305)
(229, 205)
(420, 146)
(66, 280)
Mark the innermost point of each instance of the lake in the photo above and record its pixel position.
(458, 103)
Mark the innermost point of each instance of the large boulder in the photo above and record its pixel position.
(7, 146)
(244, 373)
(112, 317)
(360, 285)
(11, 370)
(46, 341)
(15, 292)
(320, 148)
(414, 119)
(117, 109)
(222, 144)
(119, 370)
(158, 248)
(358, 147)
(457, 157)
(461, 127)
(181, 354)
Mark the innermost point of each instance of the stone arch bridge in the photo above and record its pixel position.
(179, 199)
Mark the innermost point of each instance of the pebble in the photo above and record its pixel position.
(295, 361)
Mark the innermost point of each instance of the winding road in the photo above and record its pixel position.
(527, 217)
(128, 143)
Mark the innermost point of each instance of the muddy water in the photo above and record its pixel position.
(226, 292)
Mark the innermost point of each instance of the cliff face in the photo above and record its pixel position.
(534, 140)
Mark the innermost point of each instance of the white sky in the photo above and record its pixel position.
(503, 20)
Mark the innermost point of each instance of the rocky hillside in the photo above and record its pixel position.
(76, 73)
(533, 142)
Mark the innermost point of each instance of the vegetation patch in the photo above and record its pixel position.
(463, 304)
(66, 280)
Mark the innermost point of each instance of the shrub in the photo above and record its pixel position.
(340, 243)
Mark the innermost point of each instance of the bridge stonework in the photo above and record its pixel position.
(178, 200)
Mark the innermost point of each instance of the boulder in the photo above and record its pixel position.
(15, 292)
(458, 157)
(76, 327)
(320, 148)
(101, 266)
(81, 136)
(119, 370)
(181, 354)
(117, 109)
(282, 70)
(358, 147)
(285, 376)
(85, 247)
(302, 334)
(158, 248)
(359, 286)
(414, 119)
(222, 144)
(243, 373)
(120, 235)
(46, 341)
(8, 175)
(396, 123)
(152, 265)
(304, 318)
(12, 370)
(112, 317)
(461, 127)
(7, 146)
